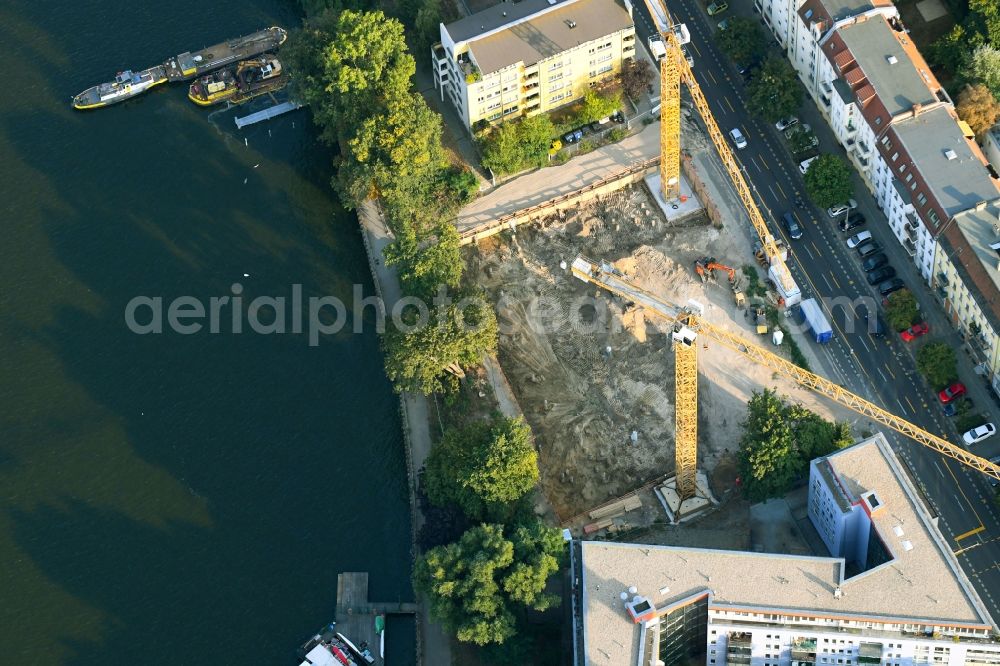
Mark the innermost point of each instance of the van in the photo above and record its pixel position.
(804, 165)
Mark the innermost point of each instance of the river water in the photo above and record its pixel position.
(176, 499)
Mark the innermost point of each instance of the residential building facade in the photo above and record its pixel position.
(520, 59)
(891, 592)
(900, 130)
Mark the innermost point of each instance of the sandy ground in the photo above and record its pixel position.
(588, 372)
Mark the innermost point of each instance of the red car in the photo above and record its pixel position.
(915, 331)
(956, 390)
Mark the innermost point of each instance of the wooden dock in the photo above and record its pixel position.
(355, 615)
(267, 114)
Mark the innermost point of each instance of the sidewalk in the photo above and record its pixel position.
(434, 644)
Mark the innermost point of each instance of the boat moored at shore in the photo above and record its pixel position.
(124, 86)
(239, 84)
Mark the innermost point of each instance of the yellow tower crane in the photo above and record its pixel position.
(688, 325)
(674, 69)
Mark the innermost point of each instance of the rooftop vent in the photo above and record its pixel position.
(907, 546)
(898, 529)
(808, 14)
(571, 23)
(871, 502)
(892, 60)
(950, 154)
(552, 2)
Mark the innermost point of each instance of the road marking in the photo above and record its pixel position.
(754, 162)
(695, 47)
(781, 190)
(828, 285)
(773, 193)
(835, 280)
(726, 100)
(862, 341)
(806, 248)
(879, 371)
(889, 370)
(901, 408)
(708, 73)
(971, 532)
(907, 398)
(816, 248)
(938, 468)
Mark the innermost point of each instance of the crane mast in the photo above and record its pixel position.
(673, 69)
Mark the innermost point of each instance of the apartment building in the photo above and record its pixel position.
(891, 592)
(521, 58)
(900, 130)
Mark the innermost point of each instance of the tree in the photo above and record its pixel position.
(902, 309)
(986, 13)
(428, 18)
(477, 584)
(419, 357)
(816, 437)
(768, 459)
(800, 141)
(482, 466)
(936, 362)
(347, 65)
(978, 107)
(742, 40)
(427, 259)
(984, 67)
(395, 155)
(635, 77)
(775, 92)
(828, 181)
(518, 145)
(953, 50)
(598, 105)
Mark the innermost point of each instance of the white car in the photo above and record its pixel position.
(738, 138)
(785, 123)
(839, 209)
(979, 433)
(858, 239)
(804, 165)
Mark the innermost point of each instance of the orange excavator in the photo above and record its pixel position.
(706, 267)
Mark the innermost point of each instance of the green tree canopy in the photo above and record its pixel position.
(742, 40)
(427, 259)
(395, 155)
(420, 359)
(902, 310)
(775, 92)
(953, 50)
(599, 105)
(780, 440)
(828, 181)
(477, 584)
(513, 146)
(936, 361)
(347, 65)
(984, 67)
(482, 466)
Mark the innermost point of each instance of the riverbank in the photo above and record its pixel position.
(433, 644)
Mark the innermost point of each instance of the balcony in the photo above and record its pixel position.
(629, 38)
(532, 101)
(911, 233)
(804, 652)
(530, 88)
(910, 248)
(942, 279)
(870, 653)
(825, 100)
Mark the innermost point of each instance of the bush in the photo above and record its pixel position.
(617, 134)
(514, 146)
(586, 146)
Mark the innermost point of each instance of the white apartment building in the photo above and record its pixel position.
(522, 58)
(891, 593)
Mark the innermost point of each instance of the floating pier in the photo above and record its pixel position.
(267, 114)
(354, 621)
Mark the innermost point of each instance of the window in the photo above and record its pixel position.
(921, 198)
(902, 168)
(909, 177)
(878, 120)
(934, 217)
(895, 156)
(555, 65)
(887, 143)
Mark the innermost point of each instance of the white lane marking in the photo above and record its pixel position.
(862, 341)
(938, 468)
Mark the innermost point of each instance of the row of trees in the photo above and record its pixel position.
(353, 69)
(774, 90)
(488, 558)
(778, 442)
(828, 181)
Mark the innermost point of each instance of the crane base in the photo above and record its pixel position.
(679, 510)
(676, 209)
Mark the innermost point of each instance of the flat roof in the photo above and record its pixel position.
(899, 86)
(841, 9)
(534, 30)
(958, 183)
(979, 228)
(923, 583)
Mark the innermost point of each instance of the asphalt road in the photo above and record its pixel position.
(882, 370)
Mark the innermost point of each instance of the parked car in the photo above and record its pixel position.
(915, 331)
(792, 226)
(950, 393)
(858, 239)
(868, 248)
(889, 286)
(874, 325)
(785, 123)
(717, 7)
(738, 138)
(841, 208)
(880, 275)
(723, 24)
(979, 433)
(804, 165)
(951, 409)
(618, 117)
(852, 221)
(875, 261)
